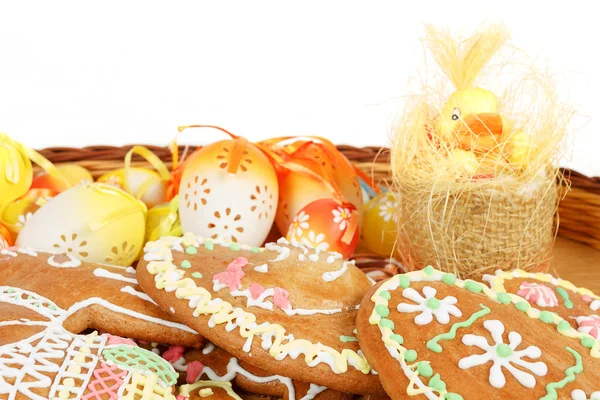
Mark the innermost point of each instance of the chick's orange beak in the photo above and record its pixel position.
(480, 132)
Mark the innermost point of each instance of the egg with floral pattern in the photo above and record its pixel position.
(322, 224)
(93, 222)
(229, 191)
(379, 229)
(16, 214)
(298, 190)
(5, 238)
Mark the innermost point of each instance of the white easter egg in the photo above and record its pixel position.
(223, 199)
(93, 222)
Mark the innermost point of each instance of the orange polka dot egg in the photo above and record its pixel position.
(229, 192)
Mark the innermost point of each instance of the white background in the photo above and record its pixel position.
(80, 73)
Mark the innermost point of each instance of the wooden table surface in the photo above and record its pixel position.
(577, 263)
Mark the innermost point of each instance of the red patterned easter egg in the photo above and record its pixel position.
(229, 192)
(73, 174)
(298, 190)
(322, 224)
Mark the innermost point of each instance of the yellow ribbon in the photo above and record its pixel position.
(156, 163)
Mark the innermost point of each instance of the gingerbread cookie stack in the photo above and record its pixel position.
(284, 309)
(427, 333)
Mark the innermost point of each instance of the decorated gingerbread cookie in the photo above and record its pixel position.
(40, 359)
(101, 297)
(578, 306)
(217, 365)
(285, 309)
(434, 336)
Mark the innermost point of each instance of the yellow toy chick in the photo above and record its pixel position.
(470, 122)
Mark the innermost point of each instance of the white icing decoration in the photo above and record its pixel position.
(133, 292)
(101, 272)
(595, 305)
(496, 377)
(209, 348)
(579, 394)
(130, 270)
(331, 276)
(72, 263)
(284, 252)
(262, 268)
(313, 391)
(7, 252)
(442, 313)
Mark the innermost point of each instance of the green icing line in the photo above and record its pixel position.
(10, 290)
(473, 286)
(29, 297)
(588, 342)
(424, 369)
(546, 317)
(235, 247)
(453, 396)
(563, 326)
(382, 310)
(386, 323)
(449, 279)
(385, 295)
(197, 275)
(404, 281)
(569, 377)
(522, 306)
(397, 338)
(208, 245)
(191, 250)
(410, 355)
(503, 298)
(186, 264)
(50, 306)
(428, 270)
(129, 357)
(451, 334)
(255, 249)
(436, 383)
(565, 296)
(347, 339)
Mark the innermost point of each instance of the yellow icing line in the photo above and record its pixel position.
(185, 390)
(151, 390)
(170, 278)
(497, 281)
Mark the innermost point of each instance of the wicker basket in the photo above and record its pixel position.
(579, 210)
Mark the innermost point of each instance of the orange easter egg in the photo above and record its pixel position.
(297, 190)
(5, 239)
(379, 228)
(229, 192)
(322, 224)
(15, 214)
(73, 175)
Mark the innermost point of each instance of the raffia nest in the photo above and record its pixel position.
(472, 201)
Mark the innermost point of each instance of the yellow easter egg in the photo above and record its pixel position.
(15, 170)
(229, 192)
(15, 214)
(379, 230)
(94, 222)
(144, 184)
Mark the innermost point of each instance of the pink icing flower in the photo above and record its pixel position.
(232, 276)
(113, 340)
(256, 290)
(541, 295)
(280, 298)
(173, 354)
(193, 371)
(586, 298)
(589, 325)
(181, 397)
